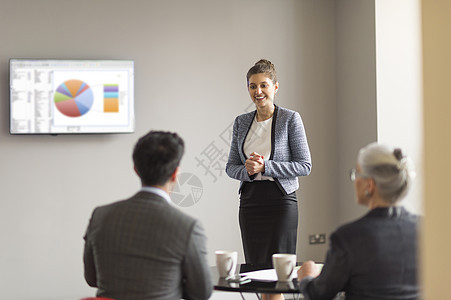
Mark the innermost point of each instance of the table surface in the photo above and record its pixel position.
(255, 286)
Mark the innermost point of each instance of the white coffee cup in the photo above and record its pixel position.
(226, 262)
(284, 265)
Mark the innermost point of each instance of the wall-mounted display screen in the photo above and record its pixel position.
(71, 96)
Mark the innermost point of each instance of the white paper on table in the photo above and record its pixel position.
(270, 274)
(262, 275)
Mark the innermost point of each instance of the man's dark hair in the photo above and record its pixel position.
(156, 156)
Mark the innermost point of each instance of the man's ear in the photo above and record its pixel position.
(136, 171)
(175, 174)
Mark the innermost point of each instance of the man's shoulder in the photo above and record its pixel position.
(165, 208)
(111, 205)
(151, 210)
(136, 199)
(145, 200)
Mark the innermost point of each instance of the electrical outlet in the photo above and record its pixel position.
(319, 238)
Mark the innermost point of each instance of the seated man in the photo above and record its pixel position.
(144, 247)
(376, 256)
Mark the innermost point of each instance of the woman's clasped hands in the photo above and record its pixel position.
(255, 164)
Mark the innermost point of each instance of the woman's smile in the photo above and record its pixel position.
(260, 97)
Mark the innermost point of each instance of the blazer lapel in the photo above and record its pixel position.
(247, 123)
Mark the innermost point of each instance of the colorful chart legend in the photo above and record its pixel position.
(111, 98)
(73, 98)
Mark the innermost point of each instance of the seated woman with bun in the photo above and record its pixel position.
(376, 256)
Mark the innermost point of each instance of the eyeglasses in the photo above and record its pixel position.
(353, 174)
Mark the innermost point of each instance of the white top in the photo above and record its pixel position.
(259, 140)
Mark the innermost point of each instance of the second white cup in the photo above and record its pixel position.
(226, 262)
(284, 265)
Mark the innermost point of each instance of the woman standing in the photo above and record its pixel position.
(269, 150)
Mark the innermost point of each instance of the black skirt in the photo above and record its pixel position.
(268, 221)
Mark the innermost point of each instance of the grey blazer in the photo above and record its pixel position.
(375, 257)
(145, 248)
(290, 154)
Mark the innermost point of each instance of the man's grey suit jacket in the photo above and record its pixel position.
(145, 248)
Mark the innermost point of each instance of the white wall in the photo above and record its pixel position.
(190, 58)
(378, 68)
(399, 85)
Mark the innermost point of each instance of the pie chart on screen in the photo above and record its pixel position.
(73, 98)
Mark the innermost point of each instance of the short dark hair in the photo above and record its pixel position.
(156, 156)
